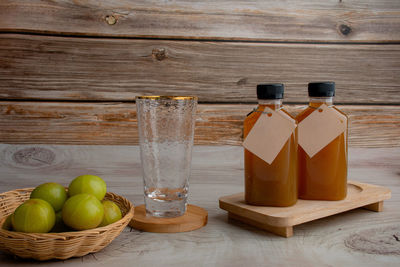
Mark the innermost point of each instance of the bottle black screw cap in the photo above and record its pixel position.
(270, 91)
(321, 89)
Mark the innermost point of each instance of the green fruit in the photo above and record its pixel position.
(59, 217)
(112, 213)
(89, 184)
(7, 225)
(82, 212)
(53, 193)
(59, 226)
(34, 216)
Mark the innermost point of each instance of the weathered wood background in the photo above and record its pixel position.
(69, 70)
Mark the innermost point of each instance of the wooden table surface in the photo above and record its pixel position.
(356, 238)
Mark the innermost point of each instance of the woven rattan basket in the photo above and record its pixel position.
(57, 245)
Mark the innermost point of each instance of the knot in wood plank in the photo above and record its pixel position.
(159, 53)
(345, 29)
(111, 20)
(242, 81)
(34, 156)
(383, 241)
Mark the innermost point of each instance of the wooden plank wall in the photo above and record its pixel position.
(70, 70)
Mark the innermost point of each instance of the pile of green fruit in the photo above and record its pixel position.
(52, 209)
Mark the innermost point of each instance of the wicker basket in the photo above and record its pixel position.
(57, 245)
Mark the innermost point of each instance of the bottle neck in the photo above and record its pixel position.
(318, 101)
(271, 103)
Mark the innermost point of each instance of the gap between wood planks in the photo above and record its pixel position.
(197, 39)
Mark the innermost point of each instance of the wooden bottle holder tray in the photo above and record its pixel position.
(280, 220)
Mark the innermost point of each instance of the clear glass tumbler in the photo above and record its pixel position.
(166, 130)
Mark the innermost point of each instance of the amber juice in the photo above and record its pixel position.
(272, 184)
(324, 176)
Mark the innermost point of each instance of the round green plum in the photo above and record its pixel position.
(112, 213)
(33, 216)
(7, 225)
(59, 226)
(53, 193)
(82, 212)
(89, 184)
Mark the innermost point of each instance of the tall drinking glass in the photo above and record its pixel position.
(166, 129)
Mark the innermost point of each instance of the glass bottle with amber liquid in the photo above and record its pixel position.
(323, 174)
(274, 183)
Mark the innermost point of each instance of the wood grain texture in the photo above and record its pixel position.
(311, 20)
(284, 231)
(378, 206)
(66, 68)
(216, 124)
(355, 238)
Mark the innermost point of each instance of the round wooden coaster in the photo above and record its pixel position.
(194, 218)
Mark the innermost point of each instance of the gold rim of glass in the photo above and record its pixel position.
(167, 97)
